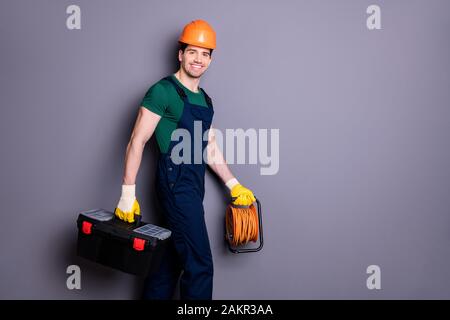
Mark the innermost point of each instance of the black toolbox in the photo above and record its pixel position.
(134, 248)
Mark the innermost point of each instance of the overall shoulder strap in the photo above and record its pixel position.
(180, 91)
(207, 98)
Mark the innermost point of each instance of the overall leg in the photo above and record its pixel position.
(161, 285)
(194, 250)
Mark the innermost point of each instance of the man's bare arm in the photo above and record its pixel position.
(143, 130)
(216, 160)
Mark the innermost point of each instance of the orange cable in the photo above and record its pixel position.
(241, 224)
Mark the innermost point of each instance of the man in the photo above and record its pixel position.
(177, 102)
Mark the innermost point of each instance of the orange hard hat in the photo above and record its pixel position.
(199, 33)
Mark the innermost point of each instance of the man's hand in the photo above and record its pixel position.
(128, 205)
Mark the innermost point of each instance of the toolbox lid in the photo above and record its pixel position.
(98, 214)
(154, 231)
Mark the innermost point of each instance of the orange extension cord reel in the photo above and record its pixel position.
(242, 225)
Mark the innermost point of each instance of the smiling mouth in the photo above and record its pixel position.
(196, 66)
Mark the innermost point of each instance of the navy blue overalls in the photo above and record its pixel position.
(180, 189)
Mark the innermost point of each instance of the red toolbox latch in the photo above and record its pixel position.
(86, 227)
(138, 244)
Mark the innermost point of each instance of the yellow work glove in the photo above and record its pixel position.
(128, 206)
(240, 194)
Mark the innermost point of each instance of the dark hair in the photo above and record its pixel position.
(182, 46)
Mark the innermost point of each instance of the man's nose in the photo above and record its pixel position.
(198, 58)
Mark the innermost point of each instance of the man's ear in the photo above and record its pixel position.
(180, 54)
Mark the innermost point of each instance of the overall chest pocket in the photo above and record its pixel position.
(202, 113)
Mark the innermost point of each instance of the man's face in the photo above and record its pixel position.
(194, 60)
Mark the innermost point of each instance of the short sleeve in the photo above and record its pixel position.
(155, 99)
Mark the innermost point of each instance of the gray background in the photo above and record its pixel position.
(364, 124)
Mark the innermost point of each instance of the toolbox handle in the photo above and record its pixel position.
(137, 219)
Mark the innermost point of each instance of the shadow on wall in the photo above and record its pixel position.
(171, 55)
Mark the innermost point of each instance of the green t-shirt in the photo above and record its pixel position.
(163, 99)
